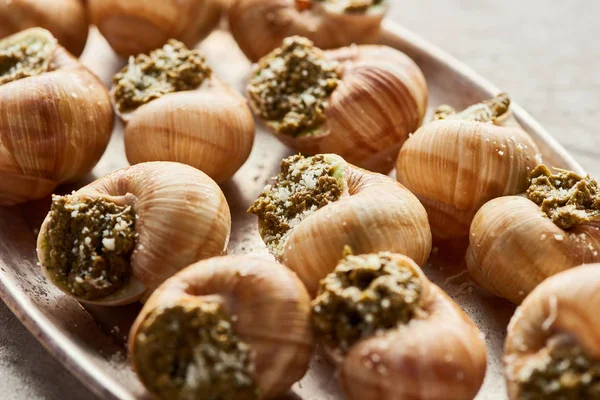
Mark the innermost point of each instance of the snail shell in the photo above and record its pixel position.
(437, 354)
(67, 20)
(374, 213)
(562, 307)
(268, 306)
(210, 128)
(137, 26)
(514, 247)
(455, 166)
(54, 126)
(380, 99)
(181, 217)
(259, 26)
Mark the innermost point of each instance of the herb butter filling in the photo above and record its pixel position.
(354, 6)
(363, 295)
(29, 56)
(565, 197)
(292, 85)
(172, 68)
(562, 370)
(88, 245)
(487, 111)
(304, 185)
(193, 353)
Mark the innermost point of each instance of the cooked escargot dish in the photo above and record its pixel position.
(176, 109)
(115, 240)
(462, 159)
(553, 345)
(388, 327)
(235, 328)
(259, 26)
(360, 102)
(518, 241)
(67, 20)
(56, 117)
(137, 26)
(317, 205)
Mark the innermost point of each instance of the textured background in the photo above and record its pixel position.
(544, 54)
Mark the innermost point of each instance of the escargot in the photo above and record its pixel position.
(394, 334)
(138, 26)
(552, 348)
(55, 117)
(234, 327)
(67, 20)
(360, 102)
(518, 241)
(460, 160)
(259, 26)
(317, 205)
(115, 240)
(176, 109)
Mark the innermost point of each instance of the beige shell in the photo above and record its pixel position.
(54, 127)
(381, 99)
(272, 309)
(440, 354)
(566, 303)
(455, 166)
(260, 26)
(514, 247)
(182, 217)
(67, 20)
(210, 128)
(375, 214)
(137, 26)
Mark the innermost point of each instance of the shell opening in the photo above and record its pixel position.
(291, 87)
(172, 68)
(24, 55)
(87, 245)
(560, 370)
(565, 197)
(490, 110)
(193, 352)
(365, 294)
(304, 185)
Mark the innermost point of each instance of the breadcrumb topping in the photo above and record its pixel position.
(487, 111)
(291, 87)
(304, 185)
(365, 294)
(28, 57)
(192, 352)
(88, 245)
(560, 370)
(565, 197)
(172, 68)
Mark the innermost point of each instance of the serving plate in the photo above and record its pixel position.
(90, 341)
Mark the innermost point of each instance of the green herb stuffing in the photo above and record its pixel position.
(561, 371)
(304, 185)
(363, 295)
(292, 85)
(486, 111)
(88, 245)
(193, 353)
(565, 197)
(27, 57)
(172, 68)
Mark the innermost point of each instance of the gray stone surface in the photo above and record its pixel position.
(545, 54)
